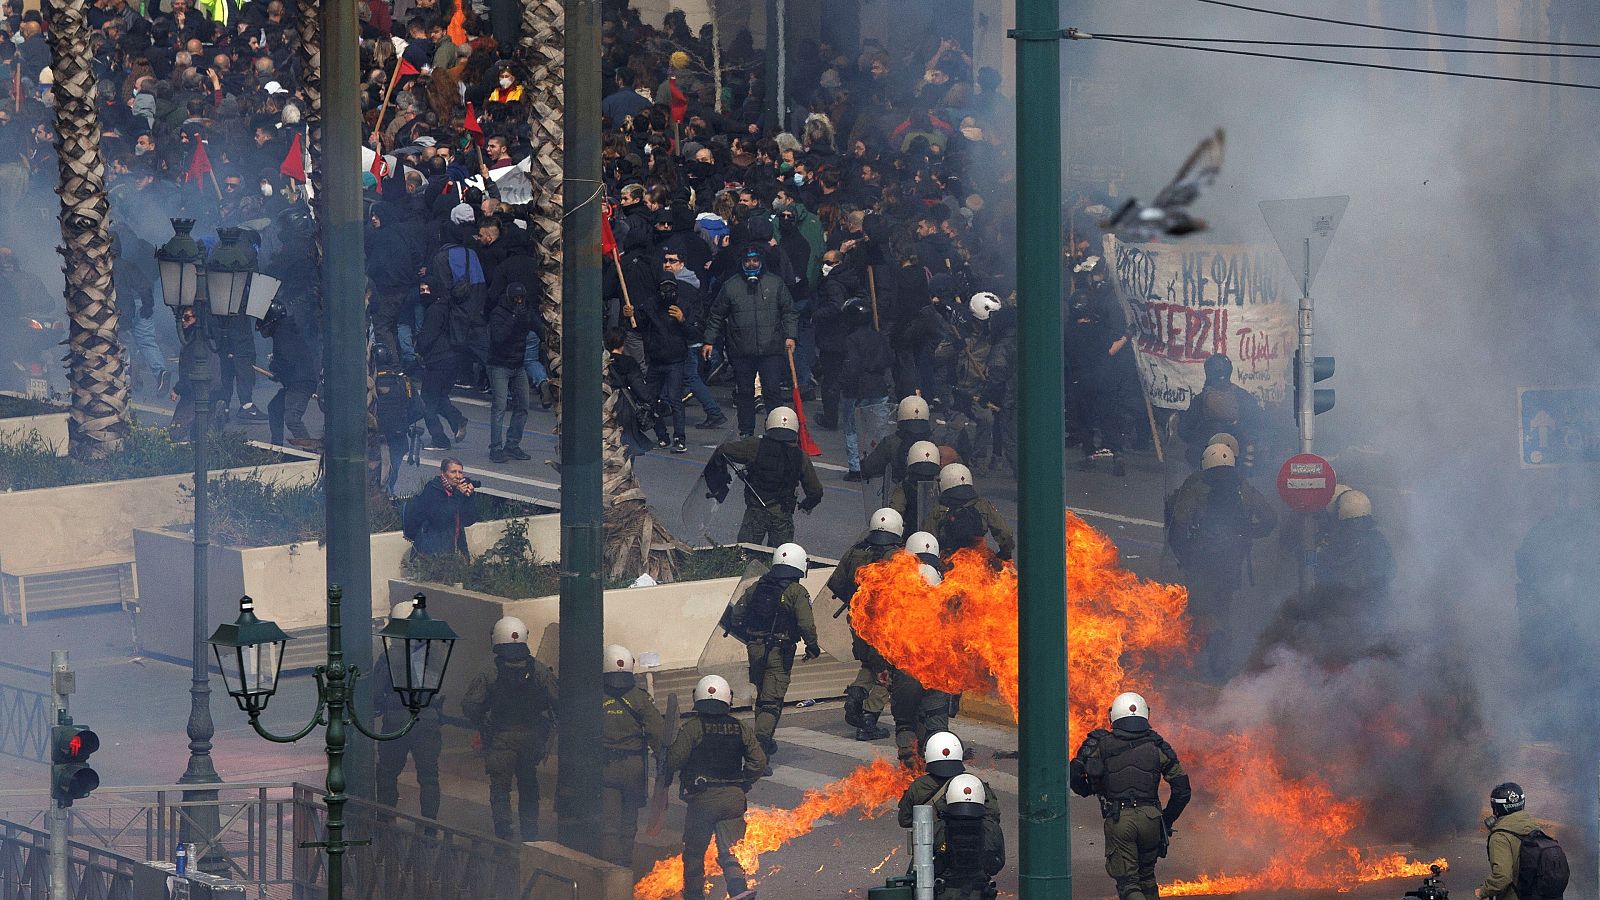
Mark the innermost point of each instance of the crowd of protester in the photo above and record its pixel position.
(888, 181)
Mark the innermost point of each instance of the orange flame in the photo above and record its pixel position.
(961, 635)
(871, 789)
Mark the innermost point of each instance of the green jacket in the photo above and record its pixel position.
(810, 228)
(1504, 851)
(743, 452)
(689, 735)
(755, 319)
(1005, 542)
(632, 725)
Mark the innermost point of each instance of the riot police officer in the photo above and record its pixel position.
(867, 695)
(771, 617)
(917, 492)
(422, 743)
(911, 425)
(514, 710)
(717, 759)
(961, 518)
(631, 730)
(925, 547)
(969, 846)
(918, 712)
(774, 467)
(1125, 767)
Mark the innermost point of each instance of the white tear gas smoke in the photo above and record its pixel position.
(1463, 270)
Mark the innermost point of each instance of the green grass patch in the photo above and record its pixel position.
(17, 407)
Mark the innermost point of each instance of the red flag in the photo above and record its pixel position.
(470, 123)
(807, 445)
(379, 170)
(294, 162)
(608, 240)
(406, 68)
(200, 165)
(680, 103)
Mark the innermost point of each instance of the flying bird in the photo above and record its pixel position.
(1169, 215)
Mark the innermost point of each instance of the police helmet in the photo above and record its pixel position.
(924, 545)
(855, 313)
(510, 630)
(783, 425)
(923, 458)
(955, 482)
(1507, 798)
(965, 797)
(616, 670)
(712, 695)
(943, 755)
(886, 527)
(1129, 705)
(792, 556)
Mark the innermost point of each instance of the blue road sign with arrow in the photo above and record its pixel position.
(1560, 426)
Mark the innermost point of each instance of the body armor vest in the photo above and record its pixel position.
(719, 754)
(1132, 767)
(775, 472)
(767, 613)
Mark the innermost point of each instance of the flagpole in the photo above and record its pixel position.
(383, 110)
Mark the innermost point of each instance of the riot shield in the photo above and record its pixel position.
(724, 653)
(874, 422)
(708, 520)
(924, 497)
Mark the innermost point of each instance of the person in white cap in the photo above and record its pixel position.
(1211, 522)
(631, 730)
(772, 617)
(961, 518)
(772, 468)
(866, 697)
(1125, 767)
(717, 759)
(514, 711)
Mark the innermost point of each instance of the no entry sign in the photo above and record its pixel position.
(1306, 482)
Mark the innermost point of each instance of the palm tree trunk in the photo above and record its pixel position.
(98, 367)
(636, 542)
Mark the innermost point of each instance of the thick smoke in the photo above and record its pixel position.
(1463, 270)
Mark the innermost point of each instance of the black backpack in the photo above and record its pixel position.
(963, 526)
(1542, 871)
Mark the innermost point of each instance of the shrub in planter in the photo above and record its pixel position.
(32, 462)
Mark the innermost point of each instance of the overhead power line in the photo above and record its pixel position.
(1338, 62)
(1444, 34)
(1556, 54)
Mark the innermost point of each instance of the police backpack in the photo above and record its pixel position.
(1542, 871)
(962, 526)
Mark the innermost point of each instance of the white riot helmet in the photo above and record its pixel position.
(616, 669)
(1354, 505)
(912, 409)
(783, 425)
(930, 575)
(943, 755)
(924, 545)
(510, 630)
(1339, 490)
(983, 305)
(791, 555)
(1218, 455)
(923, 458)
(1129, 704)
(965, 797)
(885, 528)
(712, 695)
(956, 480)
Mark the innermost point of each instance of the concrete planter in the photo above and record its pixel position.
(677, 621)
(49, 427)
(289, 582)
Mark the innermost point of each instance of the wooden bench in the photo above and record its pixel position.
(28, 591)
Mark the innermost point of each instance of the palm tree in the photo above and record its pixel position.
(97, 367)
(635, 540)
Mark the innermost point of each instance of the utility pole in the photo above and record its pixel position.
(61, 687)
(774, 67)
(582, 507)
(344, 359)
(1044, 825)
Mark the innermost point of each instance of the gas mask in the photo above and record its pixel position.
(752, 267)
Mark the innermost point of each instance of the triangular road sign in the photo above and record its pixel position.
(1293, 222)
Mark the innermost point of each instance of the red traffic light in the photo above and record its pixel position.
(72, 743)
(70, 776)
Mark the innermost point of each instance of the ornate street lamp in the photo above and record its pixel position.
(417, 650)
(178, 265)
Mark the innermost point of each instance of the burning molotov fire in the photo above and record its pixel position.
(871, 789)
(961, 635)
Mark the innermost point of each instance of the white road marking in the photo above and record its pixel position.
(1113, 517)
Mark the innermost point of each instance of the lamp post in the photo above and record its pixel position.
(416, 650)
(227, 284)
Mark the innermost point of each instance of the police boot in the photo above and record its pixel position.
(869, 729)
(855, 697)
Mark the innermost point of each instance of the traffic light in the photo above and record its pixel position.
(1321, 398)
(70, 776)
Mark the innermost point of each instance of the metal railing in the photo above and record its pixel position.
(92, 873)
(263, 825)
(144, 821)
(409, 856)
(24, 723)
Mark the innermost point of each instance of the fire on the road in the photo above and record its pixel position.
(872, 789)
(961, 635)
